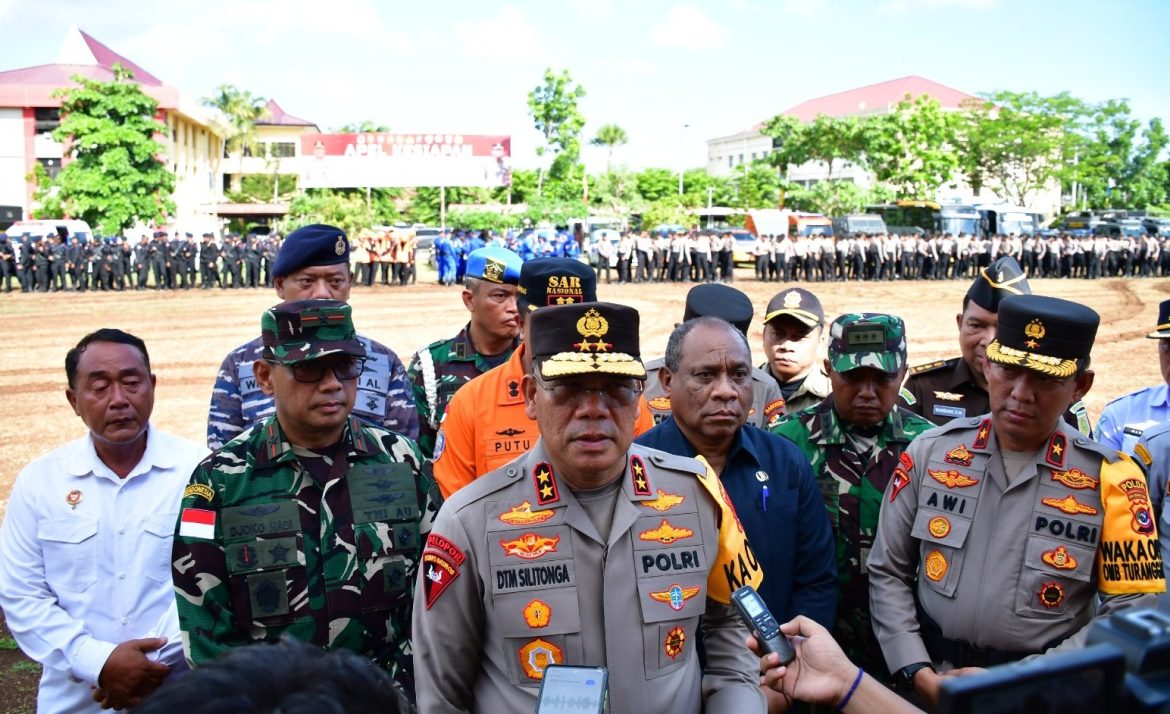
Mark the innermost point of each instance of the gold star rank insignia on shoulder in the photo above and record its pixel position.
(545, 483)
(639, 477)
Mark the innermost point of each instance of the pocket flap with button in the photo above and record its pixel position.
(540, 612)
(161, 525)
(69, 530)
(941, 528)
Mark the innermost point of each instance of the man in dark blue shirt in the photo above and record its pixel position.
(708, 377)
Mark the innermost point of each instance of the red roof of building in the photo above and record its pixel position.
(34, 86)
(105, 57)
(877, 98)
(277, 117)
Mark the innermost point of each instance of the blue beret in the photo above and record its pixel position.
(311, 245)
(495, 265)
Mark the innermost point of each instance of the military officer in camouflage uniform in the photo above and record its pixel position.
(956, 388)
(853, 439)
(307, 525)
(999, 533)
(313, 263)
(726, 302)
(793, 330)
(586, 550)
(487, 341)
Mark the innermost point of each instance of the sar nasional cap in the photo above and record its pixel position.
(555, 281)
(1043, 334)
(586, 338)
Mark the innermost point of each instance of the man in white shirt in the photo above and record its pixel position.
(85, 579)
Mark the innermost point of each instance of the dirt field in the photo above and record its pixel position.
(189, 332)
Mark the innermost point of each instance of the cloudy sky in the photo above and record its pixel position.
(652, 67)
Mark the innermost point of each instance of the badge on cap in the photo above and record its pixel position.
(73, 498)
(339, 246)
(1035, 331)
(493, 270)
(792, 299)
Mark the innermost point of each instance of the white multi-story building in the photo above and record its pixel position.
(728, 154)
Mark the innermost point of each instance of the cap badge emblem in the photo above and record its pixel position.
(592, 324)
(792, 299)
(339, 246)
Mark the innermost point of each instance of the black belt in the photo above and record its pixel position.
(961, 653)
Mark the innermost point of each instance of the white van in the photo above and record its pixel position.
(51, 227)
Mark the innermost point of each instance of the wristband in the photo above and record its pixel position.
(845, 702)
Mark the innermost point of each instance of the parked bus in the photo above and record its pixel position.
(1005, 219)
(929, 216)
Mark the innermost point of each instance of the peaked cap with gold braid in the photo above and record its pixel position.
(1043, 334)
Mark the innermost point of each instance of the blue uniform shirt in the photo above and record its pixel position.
(1124, 418)
(791, 536)
(1154, 457)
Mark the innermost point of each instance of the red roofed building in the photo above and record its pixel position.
(736, 152)
(729, 152)
(29, 113)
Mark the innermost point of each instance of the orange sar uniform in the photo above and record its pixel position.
(486, 427)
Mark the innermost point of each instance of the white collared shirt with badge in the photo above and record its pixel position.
(85, 562)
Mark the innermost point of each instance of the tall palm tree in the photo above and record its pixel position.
(611, 136)
(240, 109)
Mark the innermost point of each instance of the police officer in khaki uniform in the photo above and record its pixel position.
(587, 550)
(794, 325)
(957, 388)
(998, 532)
(717, 300)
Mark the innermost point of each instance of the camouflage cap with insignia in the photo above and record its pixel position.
(302, 330)
(1043, 334)
(1003, 278)
(495, 265)
(586, 338)
(555, 281)
(867, 339)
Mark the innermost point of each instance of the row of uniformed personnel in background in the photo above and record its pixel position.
(315, 524)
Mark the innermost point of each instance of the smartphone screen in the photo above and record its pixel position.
(579, 690)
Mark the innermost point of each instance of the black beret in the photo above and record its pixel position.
(311, 245)
(715, 300)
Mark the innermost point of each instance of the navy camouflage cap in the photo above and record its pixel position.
(310, 246)
(302, 330)
(495, 265)
(867, 339)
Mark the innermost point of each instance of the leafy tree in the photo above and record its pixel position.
(262, 188)
(759, 188)
(788, 141)
(113, 176)
(611, 136)
(669, 212)
(830, 198)
(655, 184)
(345, 209)
(912, 147)
(46, 196)
(241, 110)
(364, 126)
(826, 139)
(553, 106)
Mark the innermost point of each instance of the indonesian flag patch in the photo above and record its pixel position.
(197, 523)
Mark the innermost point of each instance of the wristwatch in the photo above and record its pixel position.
(906, 674)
